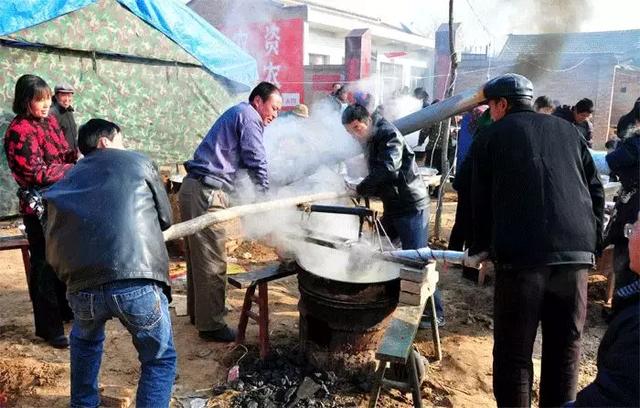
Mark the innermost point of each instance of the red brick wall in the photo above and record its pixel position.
(592, 79)
(623, 101)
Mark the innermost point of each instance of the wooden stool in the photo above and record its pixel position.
(21, 243)
(397, 347)
(257, 279)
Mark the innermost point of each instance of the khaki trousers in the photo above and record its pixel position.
(206, 256)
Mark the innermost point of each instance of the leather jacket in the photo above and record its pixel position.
(105, 220)
(393, 172)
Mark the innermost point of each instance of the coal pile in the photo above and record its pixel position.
(281, 381)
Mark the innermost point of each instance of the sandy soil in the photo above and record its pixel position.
(34, 374)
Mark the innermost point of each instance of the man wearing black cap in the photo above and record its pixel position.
(537, 213)
(63, 111)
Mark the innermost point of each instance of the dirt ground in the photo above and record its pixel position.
(32, 374)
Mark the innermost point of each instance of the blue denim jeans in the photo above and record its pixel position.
(143, 309)
(413, 231)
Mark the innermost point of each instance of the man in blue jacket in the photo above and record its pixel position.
(104, 240)
(234, 142)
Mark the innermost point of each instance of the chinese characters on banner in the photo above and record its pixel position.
(277, 47)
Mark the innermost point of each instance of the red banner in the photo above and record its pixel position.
(277, 46)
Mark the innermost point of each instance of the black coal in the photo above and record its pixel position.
(282, 381)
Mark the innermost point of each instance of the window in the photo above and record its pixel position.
(318, 59)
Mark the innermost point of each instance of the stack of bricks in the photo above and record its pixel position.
(416, 285)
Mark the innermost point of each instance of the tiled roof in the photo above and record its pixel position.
(577, 44)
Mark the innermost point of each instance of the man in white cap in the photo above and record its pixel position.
(63, 111)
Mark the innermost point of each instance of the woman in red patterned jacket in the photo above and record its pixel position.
(38, 156)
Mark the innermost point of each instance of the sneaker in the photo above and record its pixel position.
(59, 342)
(223, 335)
(425, 322)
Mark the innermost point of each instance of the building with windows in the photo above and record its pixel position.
(302, 45)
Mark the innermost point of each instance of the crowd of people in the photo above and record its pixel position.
(530, 201)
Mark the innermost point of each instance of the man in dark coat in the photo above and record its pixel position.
(617, 383)
(393, 177)
(537, 213)
(579, 115)
(104, 240)
(63, 111)
(629, 120)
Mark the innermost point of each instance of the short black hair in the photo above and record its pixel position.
(543, 102)
(584, 105)
(355, 112)
(515, 102)
(340, 91)
(29, 88)
(90, 133)
(420, 93)
(263, 90)
(611, 144)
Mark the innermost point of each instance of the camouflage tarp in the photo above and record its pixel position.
(164, 109)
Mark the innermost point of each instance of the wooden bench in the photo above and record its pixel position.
(21, 243)
(259, 279)
(397, 345)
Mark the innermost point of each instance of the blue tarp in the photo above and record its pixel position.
(177, 21)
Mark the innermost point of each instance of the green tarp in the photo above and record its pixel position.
(165, 103)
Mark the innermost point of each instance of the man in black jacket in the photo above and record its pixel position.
(393, 177)
(537, 212)
(579, 115)
(63, 111)
(618, 379)
(104, 240)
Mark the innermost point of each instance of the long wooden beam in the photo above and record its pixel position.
(194, 225)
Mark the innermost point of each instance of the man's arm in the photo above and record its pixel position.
(481, 193)
(386, 165)
(253, 154)
(163, 207)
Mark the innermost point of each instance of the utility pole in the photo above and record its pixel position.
(445, 135)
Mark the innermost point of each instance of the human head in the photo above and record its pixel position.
(357, 120)
(64, 94)
(32, 97)
(543, 104)
(507, 92)
(583, 110)
(267, 100)
(99, 134)
(634, 246)
(341, 94)
(610, 145)
(335, 86)
(420, 93)
(301, 111)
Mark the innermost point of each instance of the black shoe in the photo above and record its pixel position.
(223, 335)
(59, 342)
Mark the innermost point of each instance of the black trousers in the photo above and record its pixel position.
(47, 292)
(556, 297)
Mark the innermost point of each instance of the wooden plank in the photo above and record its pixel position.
(398, 338)
(268, 273)
(13, 242)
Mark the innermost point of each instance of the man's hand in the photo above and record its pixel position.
(351, 189)
(474, 261)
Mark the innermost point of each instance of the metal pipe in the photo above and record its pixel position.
(337, 209)
(435, 113)
(427, 254)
